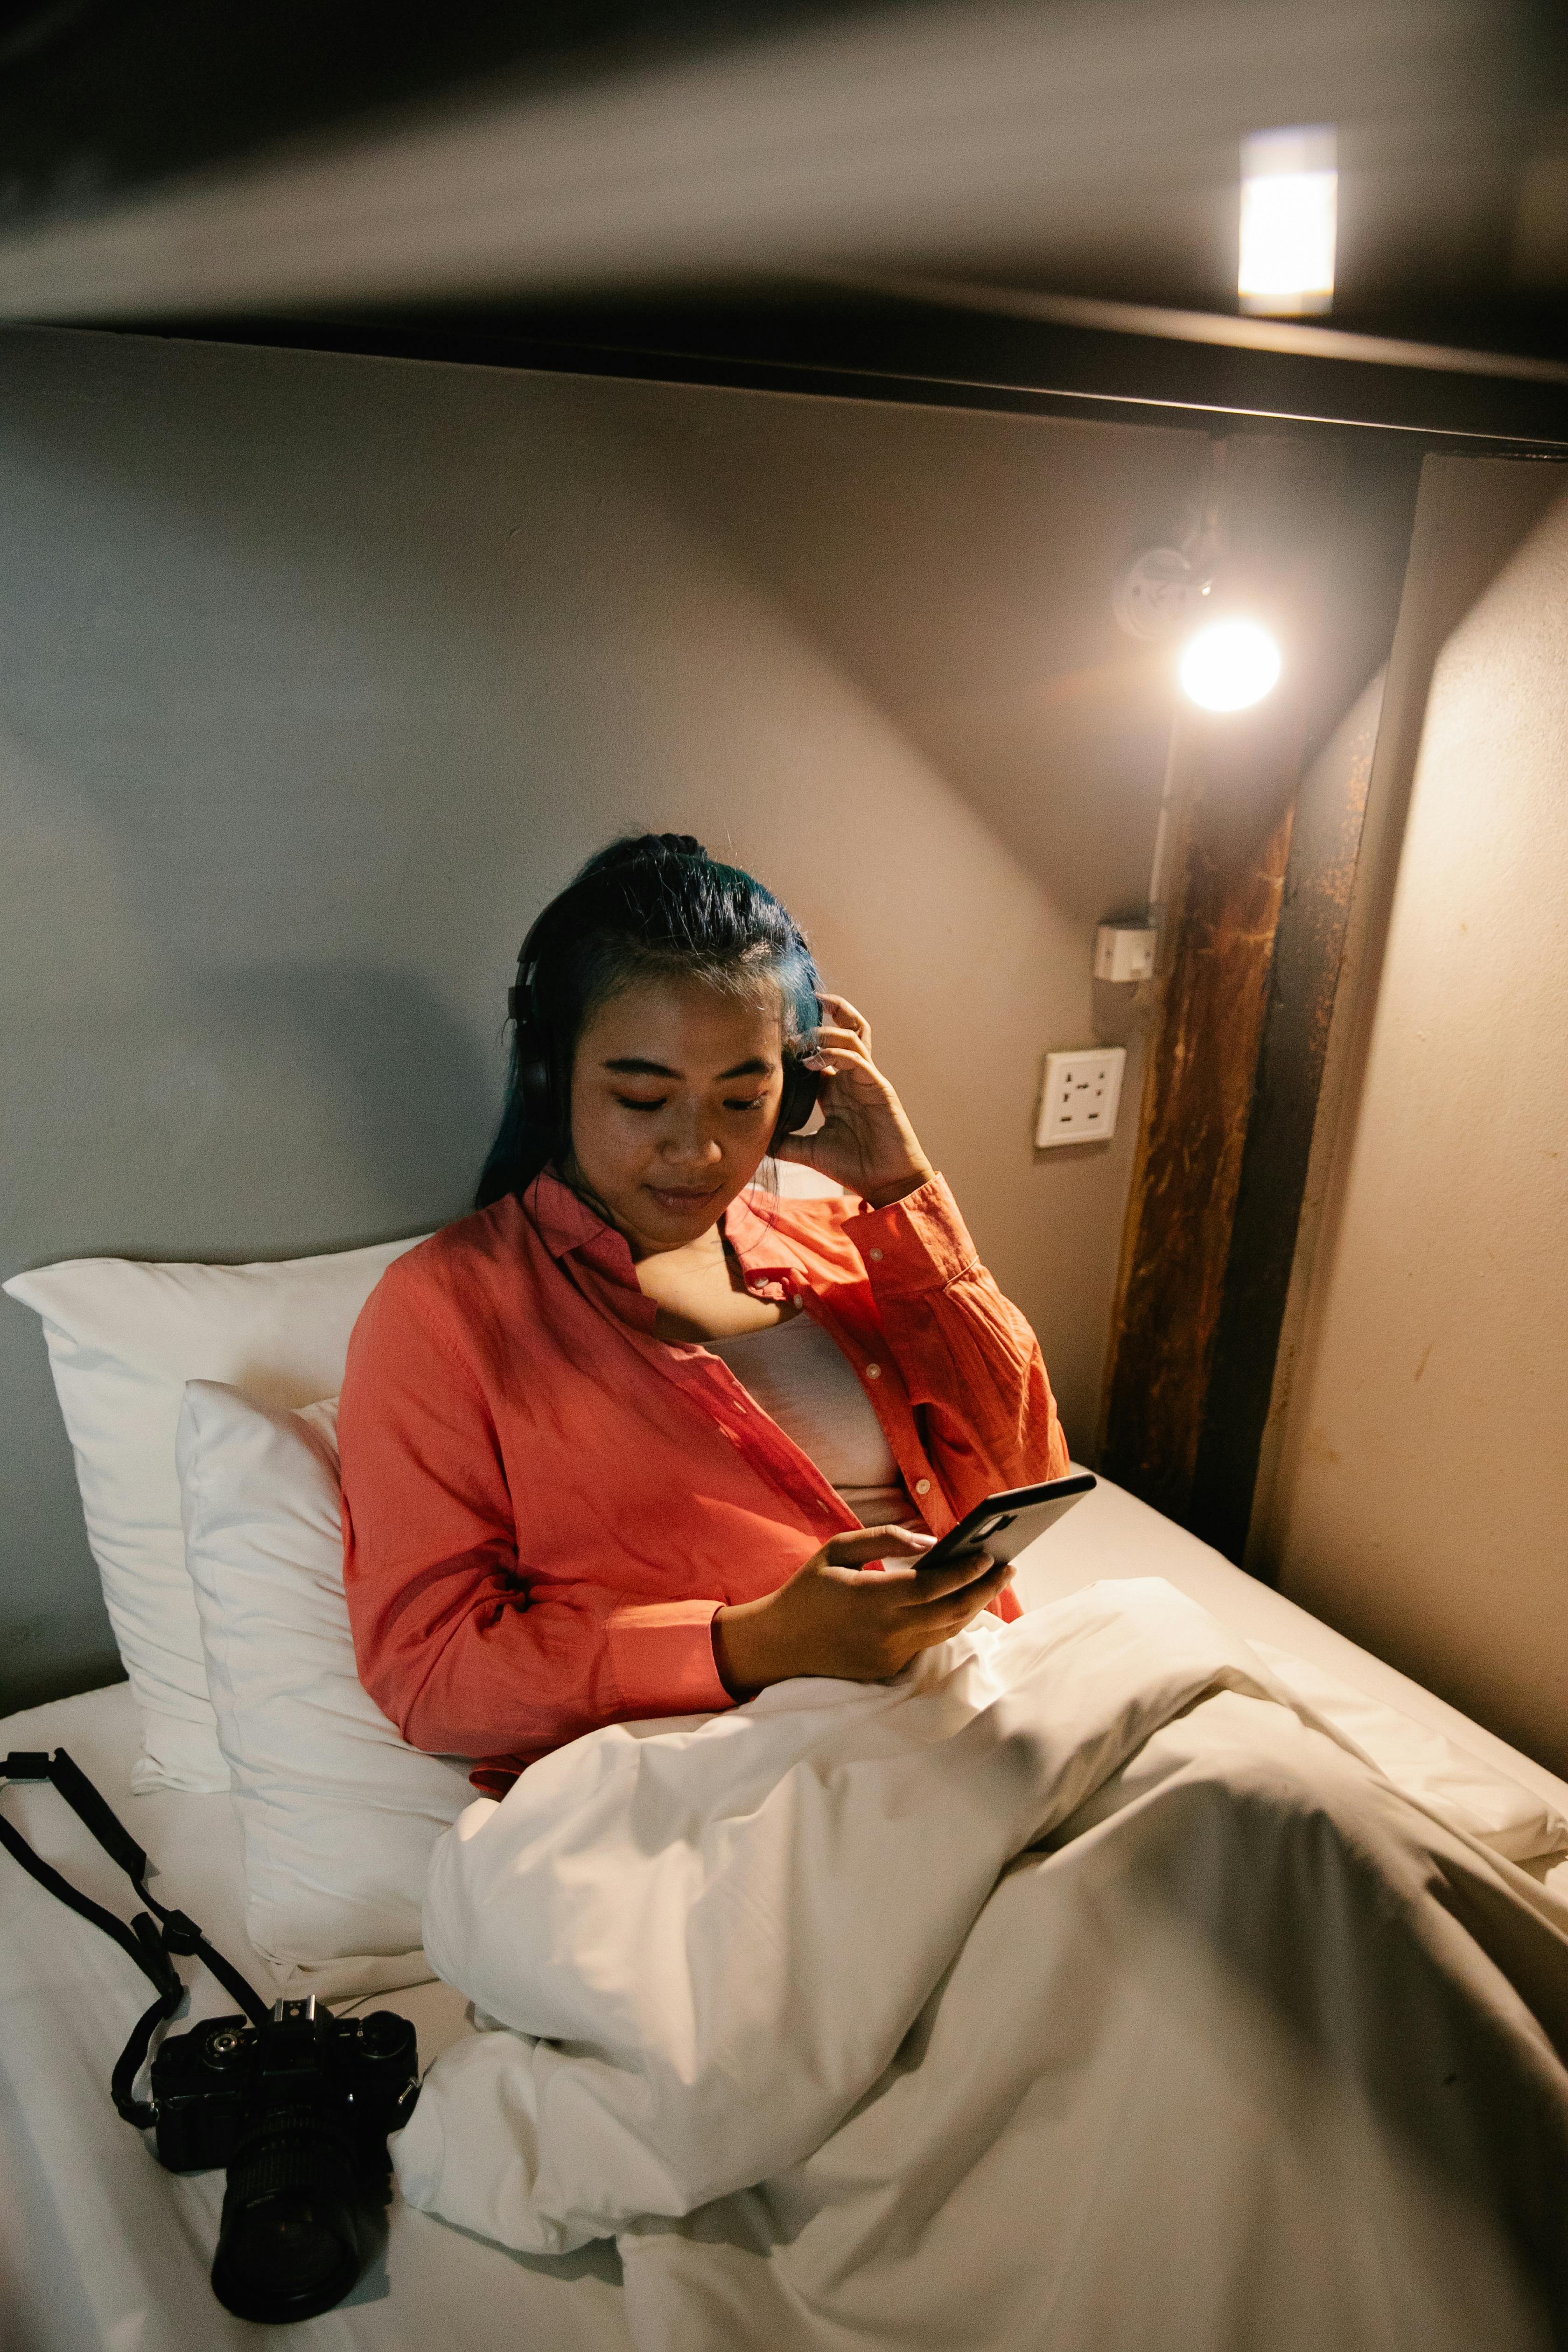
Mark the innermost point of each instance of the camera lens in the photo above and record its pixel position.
(298, 2226)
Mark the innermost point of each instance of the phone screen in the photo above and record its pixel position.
(1005, 1523)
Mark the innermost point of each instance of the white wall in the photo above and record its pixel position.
(1420, 1480)
(318, 675)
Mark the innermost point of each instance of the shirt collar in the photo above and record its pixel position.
(757, 1241)
(565, 1223)
(562, 1221)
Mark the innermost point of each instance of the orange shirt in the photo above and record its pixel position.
(544, 1504)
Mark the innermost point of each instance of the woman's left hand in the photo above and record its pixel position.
(864, 1142)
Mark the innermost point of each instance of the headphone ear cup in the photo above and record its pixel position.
(801, 1088)
(533, 1079)
(538, 1095)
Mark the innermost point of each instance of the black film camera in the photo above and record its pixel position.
(297, 2103)
(298, 2109)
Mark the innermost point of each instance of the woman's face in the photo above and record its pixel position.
(675, 1094)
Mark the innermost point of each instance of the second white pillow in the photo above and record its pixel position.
(123, 1339)
(338, 1812)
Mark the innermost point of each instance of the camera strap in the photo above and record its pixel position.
(151, 1944)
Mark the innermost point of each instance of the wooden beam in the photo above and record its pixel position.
(1378, 507)
(1233, 841)
(1251, 957)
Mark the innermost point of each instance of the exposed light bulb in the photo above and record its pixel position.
(1230, 665)
(1289, 208)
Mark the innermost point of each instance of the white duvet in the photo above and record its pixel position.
(1079, 1990)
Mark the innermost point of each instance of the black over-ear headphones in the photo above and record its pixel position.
(540, 1083)
(534, 1078)
(801, 1089)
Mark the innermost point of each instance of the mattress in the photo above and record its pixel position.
(100, 2247)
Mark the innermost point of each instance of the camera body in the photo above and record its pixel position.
(208, 2084)
(298, 2109)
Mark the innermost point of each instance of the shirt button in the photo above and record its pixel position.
(875, 1255)
(922, 1485)
(873, 1372)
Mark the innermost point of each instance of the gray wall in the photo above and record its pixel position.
(319, 675)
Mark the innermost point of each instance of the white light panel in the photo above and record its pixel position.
(1289, 215)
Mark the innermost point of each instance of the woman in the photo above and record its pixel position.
(625, 1442)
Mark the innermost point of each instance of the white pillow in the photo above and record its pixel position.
(123, 1340)
(337, 1814)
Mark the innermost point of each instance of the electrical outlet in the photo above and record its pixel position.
(1078, 1103)
(1123, 952)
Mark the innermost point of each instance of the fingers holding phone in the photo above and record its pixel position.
(842, 1614)
(946, 1598)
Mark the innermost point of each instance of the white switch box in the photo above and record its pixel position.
(1122, 952)
(1080, 1095)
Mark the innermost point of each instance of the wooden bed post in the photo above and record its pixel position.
(1268, 825)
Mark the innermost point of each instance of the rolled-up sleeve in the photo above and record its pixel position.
(968, 1359)
(451, 1640)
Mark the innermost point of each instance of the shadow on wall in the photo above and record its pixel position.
(411, 1098)
(257, 1112)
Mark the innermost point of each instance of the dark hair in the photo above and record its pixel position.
(652, 904)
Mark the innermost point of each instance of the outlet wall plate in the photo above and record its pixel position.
(1079, 1100)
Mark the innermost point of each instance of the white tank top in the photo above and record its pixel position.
(801, 1378)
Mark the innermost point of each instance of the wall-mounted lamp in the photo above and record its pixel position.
(1228, 661)
(1230, 665)
(1159, 595)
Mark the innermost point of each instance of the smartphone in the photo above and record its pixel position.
(1003, 1523)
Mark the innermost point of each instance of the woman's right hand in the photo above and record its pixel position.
(836, 1617)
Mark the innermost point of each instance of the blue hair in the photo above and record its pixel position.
(651, 905)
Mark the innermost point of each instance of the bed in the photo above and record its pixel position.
(100, 2247)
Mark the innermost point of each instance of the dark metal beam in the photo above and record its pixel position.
(884, 343)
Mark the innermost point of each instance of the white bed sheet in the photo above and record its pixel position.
(100, 2247)
(1111, 1533)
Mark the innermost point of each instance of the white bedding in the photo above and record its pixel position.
(901, 2012)
(99, 2247)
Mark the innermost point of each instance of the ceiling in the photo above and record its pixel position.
(1040, 195)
